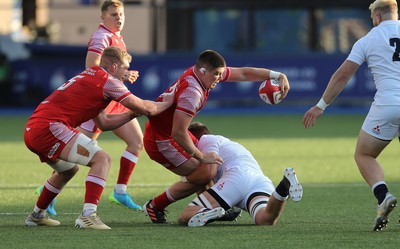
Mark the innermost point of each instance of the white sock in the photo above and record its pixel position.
(120, 189)
(279, 197)
(89, 208)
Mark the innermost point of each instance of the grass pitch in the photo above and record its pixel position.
(337, 209)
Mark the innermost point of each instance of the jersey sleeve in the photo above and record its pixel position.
(358, 53)
(114, 89)
(98, 42)
(189, 99)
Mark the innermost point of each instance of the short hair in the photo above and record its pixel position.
(114, 3)
(210, 59)
(114, 54)
(385, 6)
(198, 129)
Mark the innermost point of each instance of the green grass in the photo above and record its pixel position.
(337, 210)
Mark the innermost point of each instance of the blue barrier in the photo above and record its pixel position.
(50, 66)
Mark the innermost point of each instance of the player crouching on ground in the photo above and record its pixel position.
(239, 182)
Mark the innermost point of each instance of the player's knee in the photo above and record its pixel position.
(101, 157)
(201, 176)
(265, 220)
(182, 220)
(135, 148)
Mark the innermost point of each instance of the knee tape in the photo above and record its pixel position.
(255, 207)
(83, 150)
(201, 201)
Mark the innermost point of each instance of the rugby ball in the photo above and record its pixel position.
(270, 92)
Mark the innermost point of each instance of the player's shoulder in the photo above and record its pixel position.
(212, 138)
(101, 33)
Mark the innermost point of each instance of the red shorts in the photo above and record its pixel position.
(113, 107)
(166, 152)
(47, 140)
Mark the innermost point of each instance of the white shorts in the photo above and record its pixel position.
(237, 184)
(382, 121)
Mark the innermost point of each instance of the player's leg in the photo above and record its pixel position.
(179, 190)
(266, 209)
(132, 135)
(367, 150)
(380, 126)
(40, 139)
(86, 129)
(63, 173)
(229, 191)
(51, 209)
(170, 155)
(201, 211)
(85, 151)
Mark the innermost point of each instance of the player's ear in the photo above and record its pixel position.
(114, 66)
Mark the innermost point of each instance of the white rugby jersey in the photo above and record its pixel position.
(233, 154)
(380, 48)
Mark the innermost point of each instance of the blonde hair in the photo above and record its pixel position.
(114, 55)
(114, 3)
(384, 5)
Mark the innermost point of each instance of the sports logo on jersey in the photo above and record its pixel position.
(53, 150)
(221, 186)
(376, 130)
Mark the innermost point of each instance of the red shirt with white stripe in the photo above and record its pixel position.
(190, 97)
(104, 38)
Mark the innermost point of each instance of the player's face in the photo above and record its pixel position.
(213, 77)
(121, 70)
(114, 18)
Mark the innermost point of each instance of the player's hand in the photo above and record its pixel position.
(285, 86)
(131, 76)
(311, 115)
(211, 157)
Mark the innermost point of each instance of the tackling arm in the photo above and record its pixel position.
(145, 107)
(107, 122)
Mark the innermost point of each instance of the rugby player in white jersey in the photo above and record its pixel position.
(380, 49)
(239, 182)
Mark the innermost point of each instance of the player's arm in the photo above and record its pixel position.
(180, 125)
(335, 86)
(92, 59)
(339, 80)
(179, 133)
(145, 107)
(240, 74)
(107, 122)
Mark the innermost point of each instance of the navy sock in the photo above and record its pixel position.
(283, 187)
(380, 192)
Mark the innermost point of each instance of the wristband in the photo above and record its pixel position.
(274, 75)
(194, 153)
(322, 104)
(200, 158)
